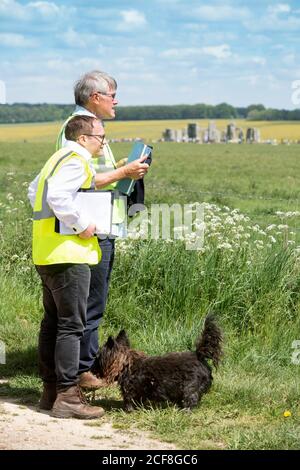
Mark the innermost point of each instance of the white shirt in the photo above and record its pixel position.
(62, 188)
(118, 230)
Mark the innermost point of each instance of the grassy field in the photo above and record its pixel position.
(248, 273)
(47, 132)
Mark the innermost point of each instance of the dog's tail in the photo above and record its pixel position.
(209, 344)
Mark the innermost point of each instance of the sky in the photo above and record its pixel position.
(159, 51)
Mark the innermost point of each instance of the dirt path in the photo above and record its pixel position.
(23, 427)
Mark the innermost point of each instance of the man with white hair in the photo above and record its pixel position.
(95, 95)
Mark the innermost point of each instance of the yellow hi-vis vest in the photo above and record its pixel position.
(102, 164)
(49, 247)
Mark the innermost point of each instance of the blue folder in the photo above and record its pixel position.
(139, 149)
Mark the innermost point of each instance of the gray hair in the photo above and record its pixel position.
(90, 83)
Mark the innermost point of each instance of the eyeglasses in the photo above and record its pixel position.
(101, 137)
(111, 95)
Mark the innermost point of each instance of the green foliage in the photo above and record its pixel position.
(24, 112)
(271, 114)
(248, 272)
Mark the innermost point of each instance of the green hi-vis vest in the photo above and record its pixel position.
(49, 247)
(102, 164)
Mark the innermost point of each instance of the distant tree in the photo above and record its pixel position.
(255, 107)
(43, 112)
(225, 111)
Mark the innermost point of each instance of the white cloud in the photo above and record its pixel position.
(16, 40)
(259, 39)
(251, 79)
(47, 9)
(259, 60)
(289, 59)
(59, 65)
(221, 13)
(279, 8)
(263, 81)
(31, 10)
(222, 51)
(279, 17)
(73, 38)
(12, 9)
(131, 19)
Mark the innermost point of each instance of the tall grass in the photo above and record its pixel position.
(247, 274)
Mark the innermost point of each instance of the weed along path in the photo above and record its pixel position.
(23, 427)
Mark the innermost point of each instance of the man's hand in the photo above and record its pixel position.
(137, 169)
(88, 232)
(121, 162)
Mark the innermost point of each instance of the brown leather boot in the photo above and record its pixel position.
(70, 403)
(48, 396)
(89, 381)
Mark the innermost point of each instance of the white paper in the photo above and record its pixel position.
(96, 206)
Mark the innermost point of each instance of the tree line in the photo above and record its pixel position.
(24, 112)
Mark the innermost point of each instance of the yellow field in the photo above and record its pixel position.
(47, 132)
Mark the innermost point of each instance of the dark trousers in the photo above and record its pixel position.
(65, 295)
(100, 276)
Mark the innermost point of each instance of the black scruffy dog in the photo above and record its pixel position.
(180, 377)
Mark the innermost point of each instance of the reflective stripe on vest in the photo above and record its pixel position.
(49, 247)
(46, 212)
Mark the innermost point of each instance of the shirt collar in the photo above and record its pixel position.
(78, 149)
(80, 110)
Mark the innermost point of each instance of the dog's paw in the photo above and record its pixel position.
(128, 407)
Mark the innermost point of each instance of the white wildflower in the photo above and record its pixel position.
(226, 246)
(229, 221)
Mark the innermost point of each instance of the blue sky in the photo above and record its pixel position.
(160, 51)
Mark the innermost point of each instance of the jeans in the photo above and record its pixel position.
(100, 276)
(65, 296)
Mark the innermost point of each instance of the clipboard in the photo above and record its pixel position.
(97, 206)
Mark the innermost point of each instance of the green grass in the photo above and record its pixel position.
(160, 292)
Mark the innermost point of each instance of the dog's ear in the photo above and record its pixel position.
(110, 342)
(122, 338)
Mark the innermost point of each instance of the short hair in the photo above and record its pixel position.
(90, 83)
(79, 125)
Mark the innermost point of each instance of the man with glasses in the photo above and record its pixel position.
(65, 262)
(95, 96)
